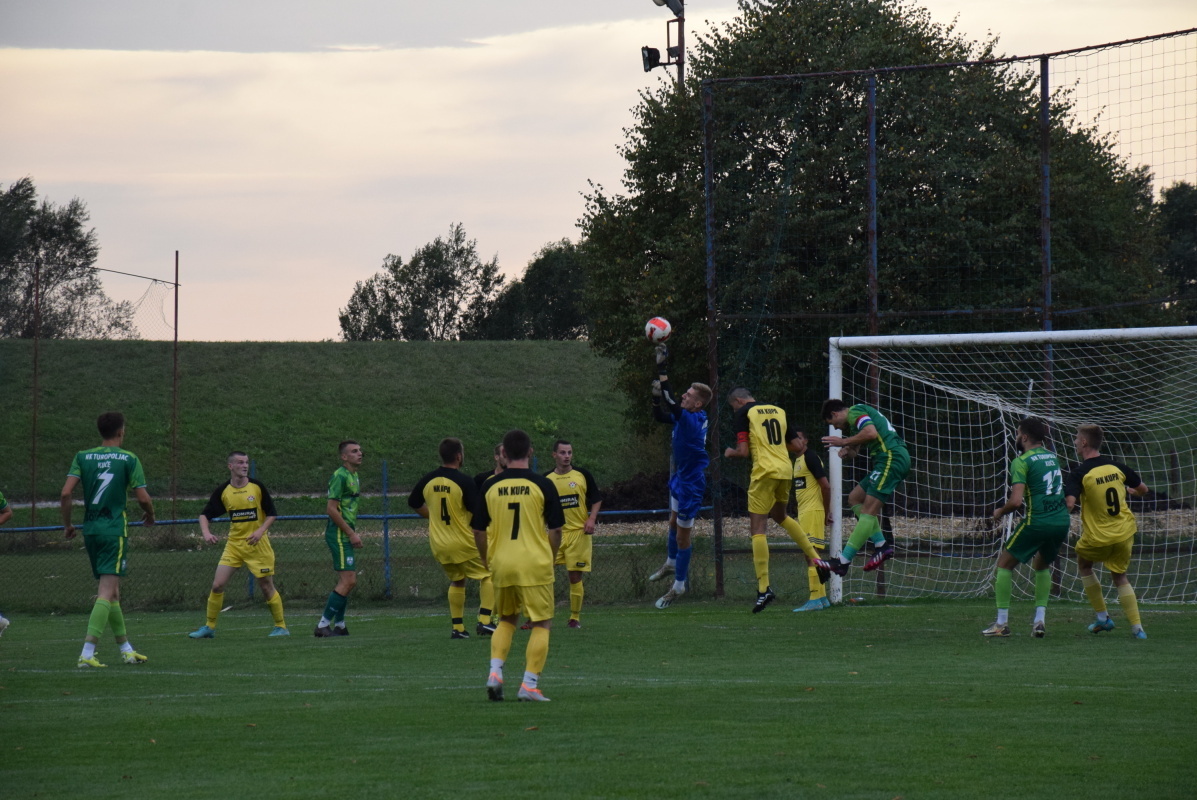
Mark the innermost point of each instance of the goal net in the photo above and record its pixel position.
(957, 399)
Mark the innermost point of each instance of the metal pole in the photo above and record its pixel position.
(174, 407)
(871, 280)
(835, 470)
(386, 535)
(37, 335)
(708, 169)
(681, 49)
(1045, 194)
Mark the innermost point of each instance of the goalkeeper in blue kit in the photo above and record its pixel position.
(688, 481)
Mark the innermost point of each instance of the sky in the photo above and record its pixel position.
(286, 147)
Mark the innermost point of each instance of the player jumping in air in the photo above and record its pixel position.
(889, 463)
(1036, 480)
(688, 482)
(340, 535)
(763, 435)
(251, 513)
(107, 473)
(448, 498)
(580, 501)
(1107, 526)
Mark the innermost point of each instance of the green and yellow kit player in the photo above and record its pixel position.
(107, 474)
(812, 495)
(1100, 484)
(763, 434)
(524, 516)
(889, 463)
(581, 501)
(448, 498)
(341, 537)
(1037, 483)
(251, 513)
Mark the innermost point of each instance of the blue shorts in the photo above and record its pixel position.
(685, 497)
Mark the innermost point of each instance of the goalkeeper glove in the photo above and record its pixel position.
(656, 390)
(662, 359)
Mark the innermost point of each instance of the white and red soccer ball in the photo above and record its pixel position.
(657, 330)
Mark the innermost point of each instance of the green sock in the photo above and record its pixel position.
(341, 601)
(1003, 587)
(1043, 586)
(116, 618)
(856, 510)
(334, 609)
(860, 534)
(99, 618)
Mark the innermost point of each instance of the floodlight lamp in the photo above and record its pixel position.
(651, 57)
(678, 7)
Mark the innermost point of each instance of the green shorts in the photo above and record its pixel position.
(888, 470)
(1042, 538)
(341, 549)
(108, 554)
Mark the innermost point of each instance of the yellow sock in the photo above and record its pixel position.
(799, 536)
(760, 560)
(576, 592)
(457, 606)
(1093, 592)
(500, 640)
(817, 590)
(538, 650)
(486, 600)
(215, 603)
(1129, 603)
(275, 604)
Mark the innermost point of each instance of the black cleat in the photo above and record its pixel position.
(342, 630)
(763, 599)
(320, 633)
(484, 629)
(883, 554)
(822, 569)
(838, 567)
(459, 635)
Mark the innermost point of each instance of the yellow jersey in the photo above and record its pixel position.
(519, 508)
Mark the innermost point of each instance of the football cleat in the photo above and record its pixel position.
(527, 626)
(1038, 629)
(814, 604)
(89, 662)
(323, 631)
(484, 629)
(883, 554)
(574, 623)
(340, 630)
(494, 686)
(663, 572)
(838, 567)
(665, 600)
(1099, 625)
(279, 630)
(3, 624)
(459, 635)
(822, 569)
(996, 630)
(763, 599)
(530, 694)
(204, 632)
(133, 657)
(1139, 634)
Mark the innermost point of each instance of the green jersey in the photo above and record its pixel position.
(1039, 471)
(3, 502)
(861, 416)
(107, 475)
(344, 487)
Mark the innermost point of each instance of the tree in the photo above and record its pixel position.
(441, 293)
(1176, 215)
(547, 303)
(958, 201)
(50, 243)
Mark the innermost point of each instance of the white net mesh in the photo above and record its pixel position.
(957, 407)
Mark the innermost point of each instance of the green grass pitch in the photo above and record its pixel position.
(703, 700)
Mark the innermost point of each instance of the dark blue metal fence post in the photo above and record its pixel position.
(386, 535)
(708, 182)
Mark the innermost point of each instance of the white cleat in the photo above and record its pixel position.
(531, 694)
(667, 599)
(665, 571)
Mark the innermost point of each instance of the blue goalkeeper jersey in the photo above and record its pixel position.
(690, 445)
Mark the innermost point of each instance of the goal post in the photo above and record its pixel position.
(956, 399)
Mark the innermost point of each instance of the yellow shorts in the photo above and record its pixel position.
(258, 557)
(765, 493)
(1115, 556)
(471, 569)
(814, 525)
(576, 551)
(535, 601)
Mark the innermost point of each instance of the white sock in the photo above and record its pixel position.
(323, 623)
(89, 650)
(496, 665)
(679, 587)
(1003, 616)
(530, 679)
(127, 646)
(1102, 616)
(1040, 613)
(670, 562)
(1136, 628)
(339, 624)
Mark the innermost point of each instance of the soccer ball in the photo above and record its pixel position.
(657, 330)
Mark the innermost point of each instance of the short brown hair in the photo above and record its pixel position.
(1034, 427)
(516, 444)
(110, 424)
(704, 393)
(831, 406)
(450, 448)
(1093, 435)
(341, 447)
